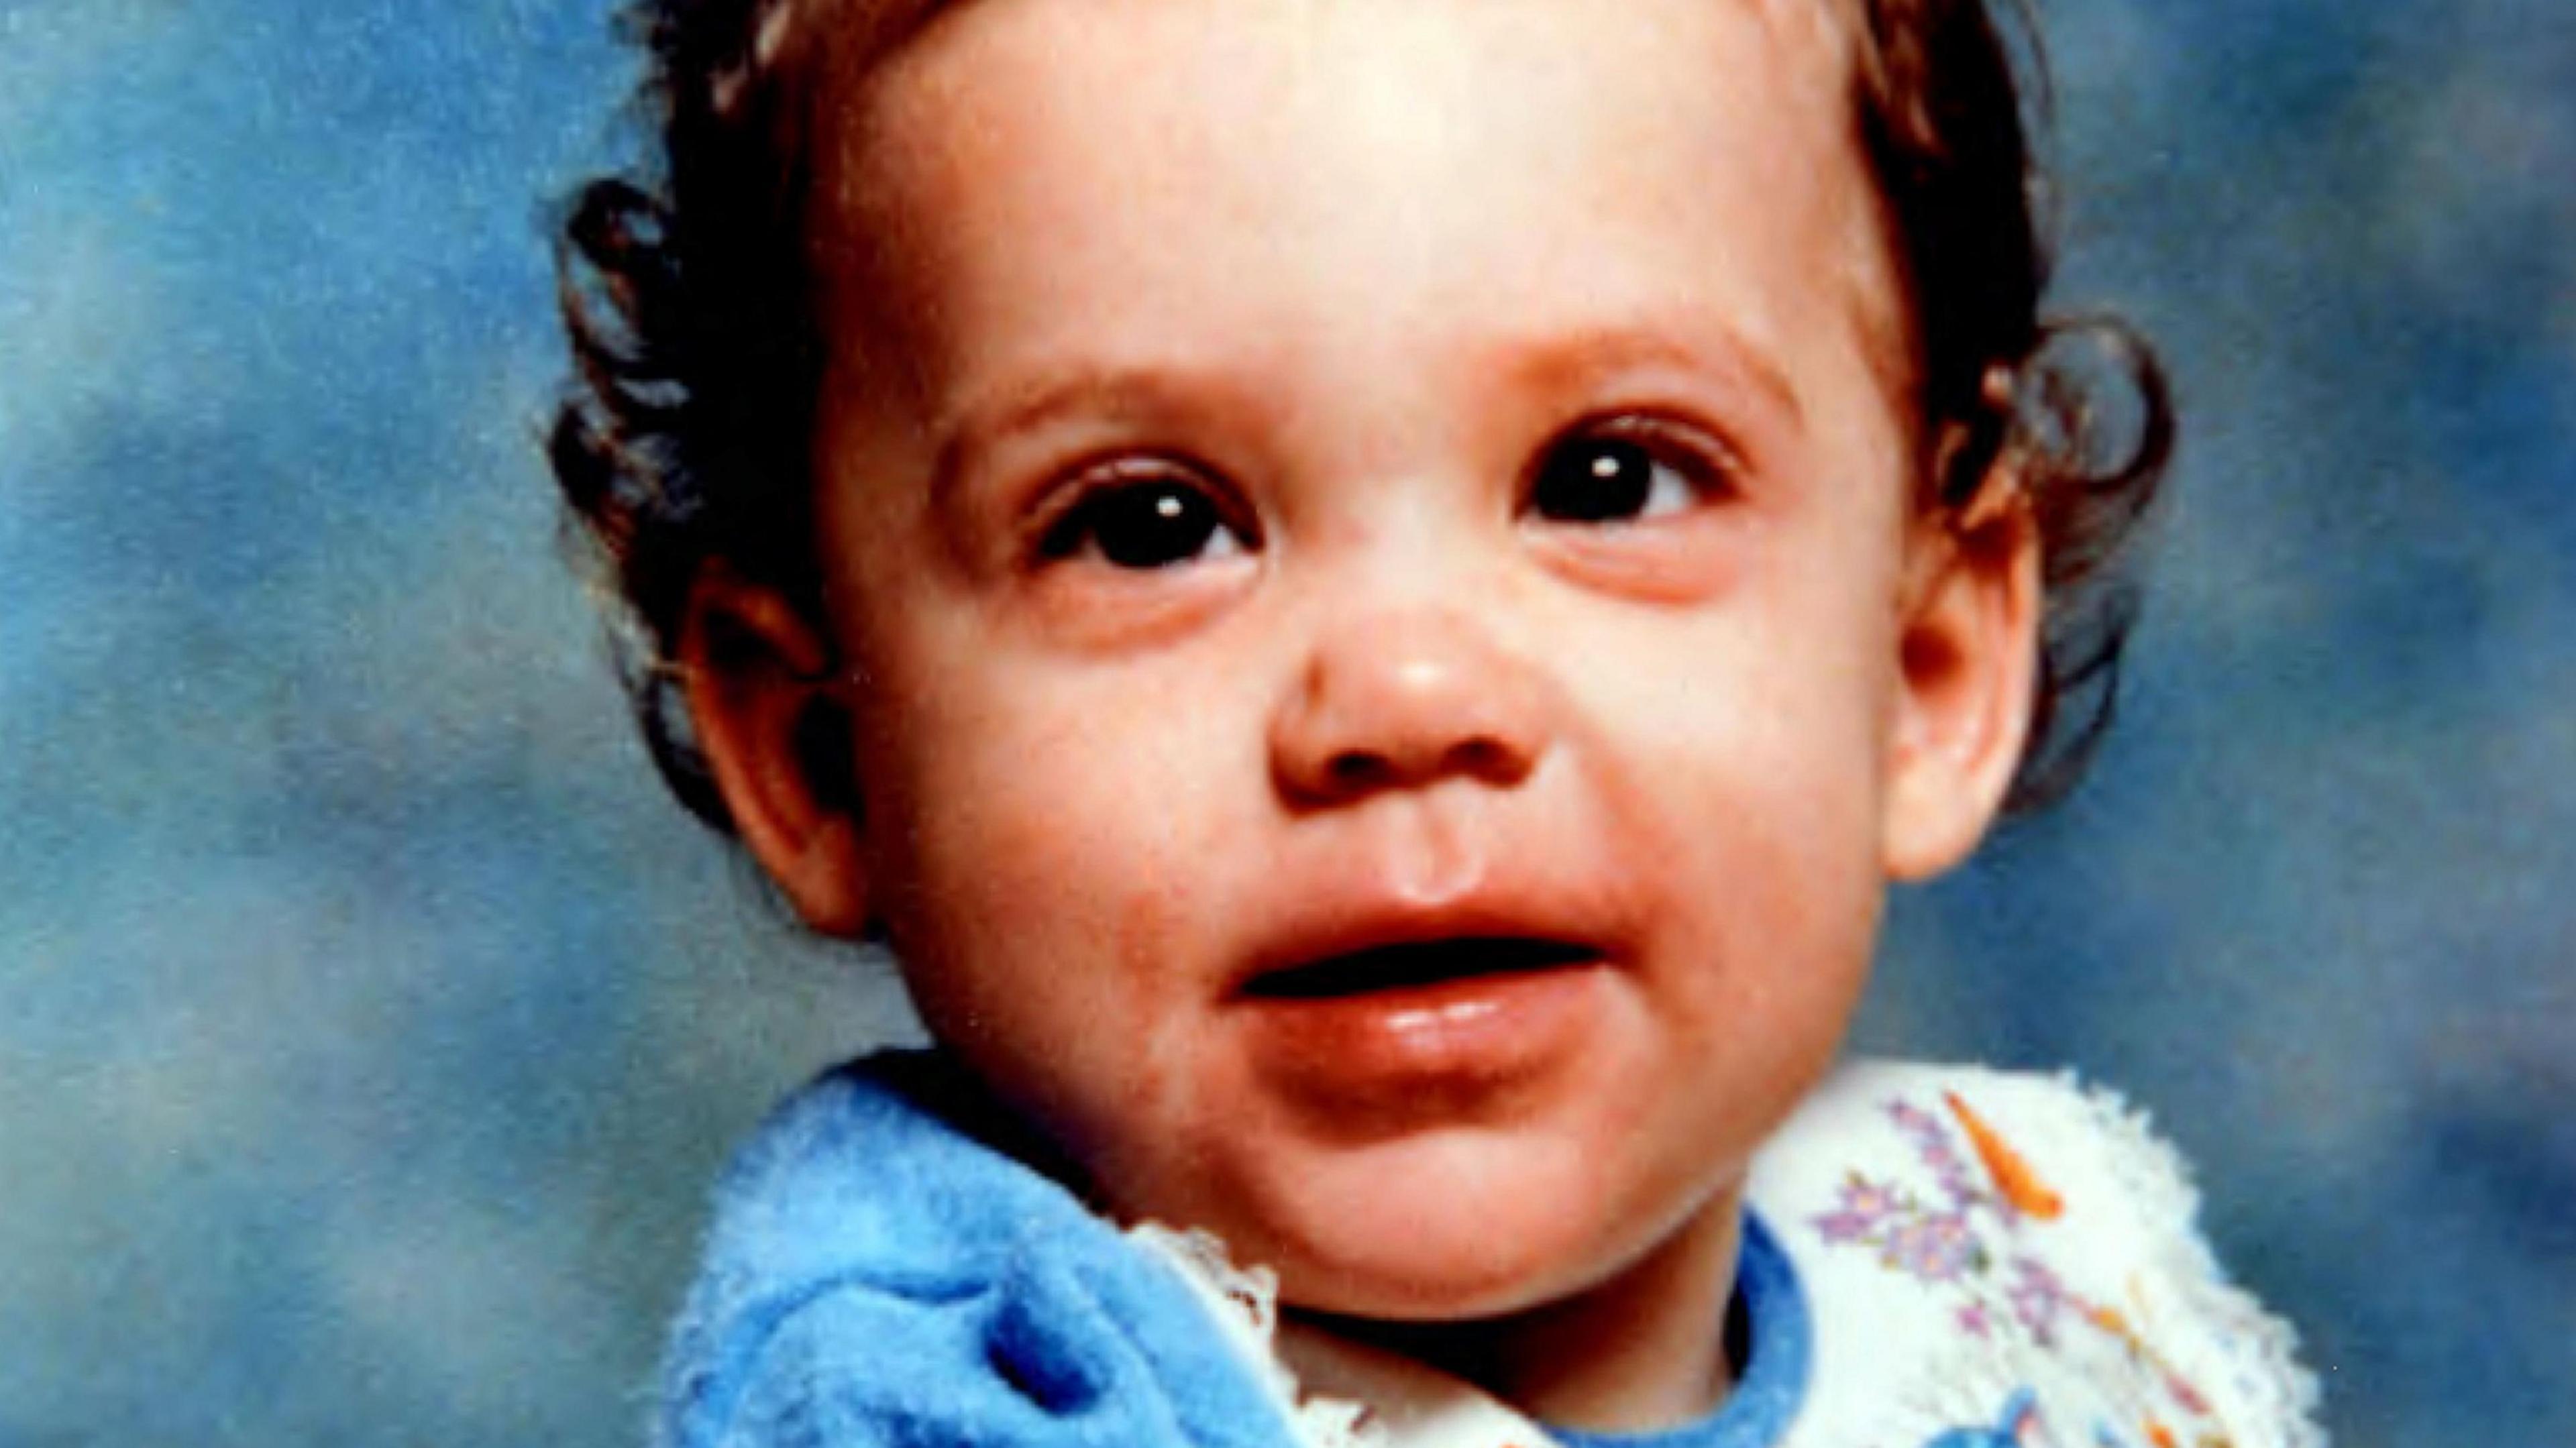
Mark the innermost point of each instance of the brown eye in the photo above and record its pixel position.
(1608, 478)
(1148, 523)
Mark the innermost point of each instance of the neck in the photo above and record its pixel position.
(1643, 1350)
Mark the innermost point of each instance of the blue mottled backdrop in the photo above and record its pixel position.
(369, 1027)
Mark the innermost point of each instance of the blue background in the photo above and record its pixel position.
(370, 1027)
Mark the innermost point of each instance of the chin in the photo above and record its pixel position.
(1449, 1226)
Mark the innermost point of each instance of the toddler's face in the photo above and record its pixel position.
(1392, 653)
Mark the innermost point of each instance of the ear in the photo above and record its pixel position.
(776, 733)
(1967, 659)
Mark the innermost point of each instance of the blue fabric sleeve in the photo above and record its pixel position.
(861, 1366)
(878, 1276)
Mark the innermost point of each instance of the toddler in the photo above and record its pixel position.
(1368, 595)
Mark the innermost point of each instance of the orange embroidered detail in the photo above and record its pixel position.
(2013, 1176)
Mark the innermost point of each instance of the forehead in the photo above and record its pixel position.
(835, 56)
(863, 33)
(836, 51)
(1615, 132)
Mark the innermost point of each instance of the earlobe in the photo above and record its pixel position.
(1967, 664)
(776, 733)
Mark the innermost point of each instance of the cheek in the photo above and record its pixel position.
(1759, 726)
(1773, 874)
(1757, 969)
(1750, 777)
(1048, 857)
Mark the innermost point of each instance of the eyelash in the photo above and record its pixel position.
(1207, 516)
(1074, 525)
(1709, 466)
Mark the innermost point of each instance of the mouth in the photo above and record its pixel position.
(1418, 965)
(1404, 1034)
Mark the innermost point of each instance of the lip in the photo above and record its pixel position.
(1425, 966)
(1332, 927)
(1410, 1017)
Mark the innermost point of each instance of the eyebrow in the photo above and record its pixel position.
(1115, 392)
(1544, 363)
(1575, 360)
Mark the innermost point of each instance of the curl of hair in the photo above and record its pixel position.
(682, 438)
(2075, 412)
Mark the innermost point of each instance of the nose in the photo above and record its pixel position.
(1404, 701)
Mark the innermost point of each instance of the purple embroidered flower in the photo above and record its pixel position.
(1939, 1152)
(2037, 1297)
(1952, 1173)
(1865, 1207)
(1914, 1121)
(1937, 1247)
(1865, 1198)
(1976, 1321)
(1844, 1226)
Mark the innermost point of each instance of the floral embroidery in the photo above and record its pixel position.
(1966, 1238)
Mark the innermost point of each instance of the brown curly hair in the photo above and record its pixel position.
(683, 435)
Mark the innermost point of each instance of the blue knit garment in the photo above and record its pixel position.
(876, 1276)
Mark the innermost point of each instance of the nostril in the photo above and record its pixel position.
(1481, 758)
(1357, 769)
(1361, 771)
